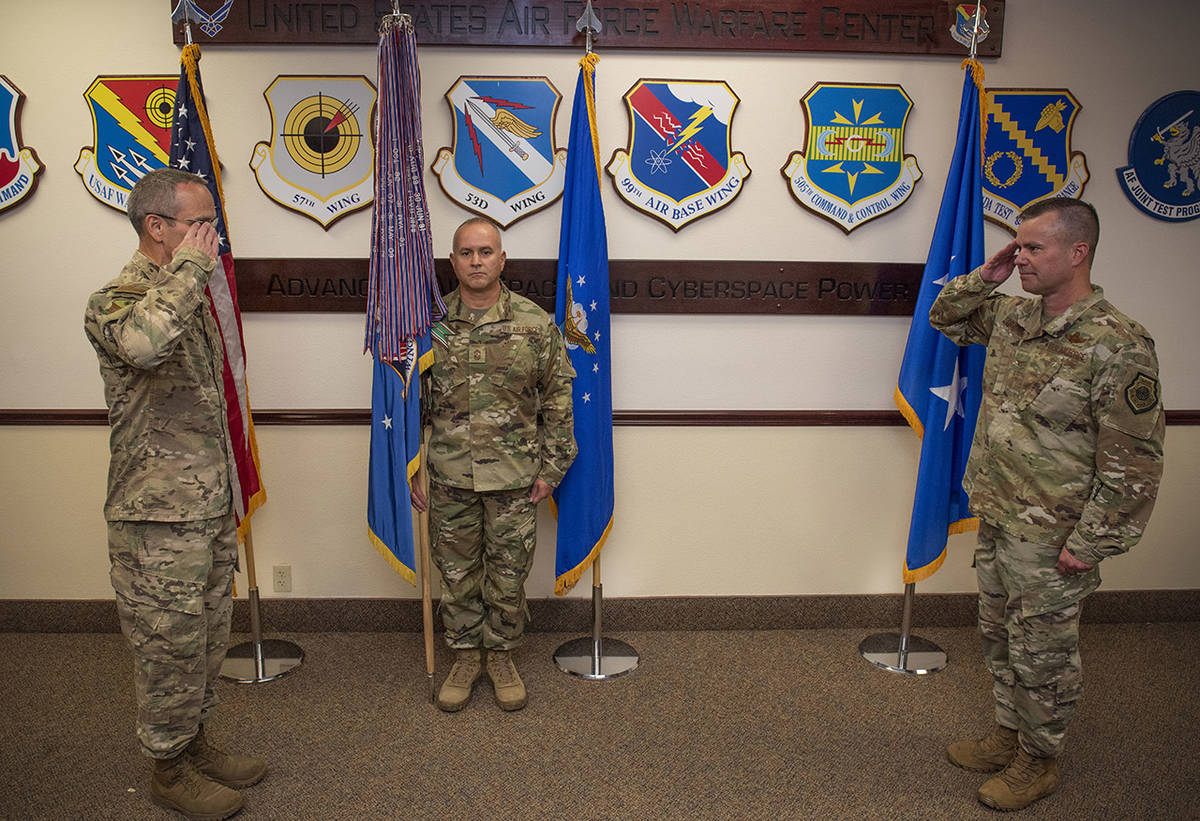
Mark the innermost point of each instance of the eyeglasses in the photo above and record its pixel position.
(210, 220)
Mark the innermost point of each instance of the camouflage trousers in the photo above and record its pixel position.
(483, 545)
(174, 583)
(1029, 621)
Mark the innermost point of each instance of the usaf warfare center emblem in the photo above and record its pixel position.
(19, 166)
(1163, 175)
(131, 133)
(502, 162)
(320, 161)
(1027, 151)
(853, 167)
(679, 165)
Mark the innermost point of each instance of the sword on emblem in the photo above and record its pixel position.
(513, 145)
(1161, 131)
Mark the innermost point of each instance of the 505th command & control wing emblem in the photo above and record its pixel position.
(1163, 175)
(321, 157)
(131, 133)
(853, 167)
(679, 165)
(1027, 151)
(502, 162)
(19, 166)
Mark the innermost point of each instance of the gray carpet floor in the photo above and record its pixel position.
(782, 724)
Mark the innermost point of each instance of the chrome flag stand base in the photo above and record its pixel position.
(596, 658)
(256, 661)
(902, 652)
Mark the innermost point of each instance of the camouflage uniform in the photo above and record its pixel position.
(494, 373)
(1067, 451)
(172, 541)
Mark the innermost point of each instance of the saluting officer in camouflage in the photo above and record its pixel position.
(171, 534)
(499, 400)
(1063, 473)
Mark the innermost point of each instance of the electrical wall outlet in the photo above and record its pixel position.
(281, 576)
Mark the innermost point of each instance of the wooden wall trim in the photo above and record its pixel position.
(51, 417)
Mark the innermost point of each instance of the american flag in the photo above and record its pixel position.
(192, 150)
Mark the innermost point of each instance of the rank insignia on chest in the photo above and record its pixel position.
(1142, 393)
(131, 133)
(502, 162)
(477, 354)
(320, 159)
(19, 166)
(1164, 159)
(679, 165)
(853, 167)
(1027, 153)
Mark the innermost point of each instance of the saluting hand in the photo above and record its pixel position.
(1001, 265)
(202, 237)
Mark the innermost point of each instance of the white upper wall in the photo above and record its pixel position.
(63, 244)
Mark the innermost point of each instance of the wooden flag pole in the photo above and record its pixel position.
(256, 661)
(422, 479)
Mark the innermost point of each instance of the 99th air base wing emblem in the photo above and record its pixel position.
(1163, 175)
(679, 165)
(321, 157)
(502, 162)
(131, 133)
(19, 166)
(853, 167)
(1027, 151)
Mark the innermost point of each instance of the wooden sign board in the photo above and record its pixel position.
(869, 26)
(635, 286)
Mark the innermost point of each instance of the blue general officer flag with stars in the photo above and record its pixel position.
(395, 454)
(939, 388)
(584, 499)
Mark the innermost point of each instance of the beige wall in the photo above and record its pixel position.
(700, 510)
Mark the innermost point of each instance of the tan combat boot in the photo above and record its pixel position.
(222, 767)
(456, 689)
(987, 755)
(510, 690)
(178, 785)
(1024, 781)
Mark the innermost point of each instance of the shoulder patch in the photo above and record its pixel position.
(1142, 393)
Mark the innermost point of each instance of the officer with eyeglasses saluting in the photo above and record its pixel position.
(171, 531)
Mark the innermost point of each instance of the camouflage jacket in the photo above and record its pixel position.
(491, 379)
(1068, 446)
(161, 360)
